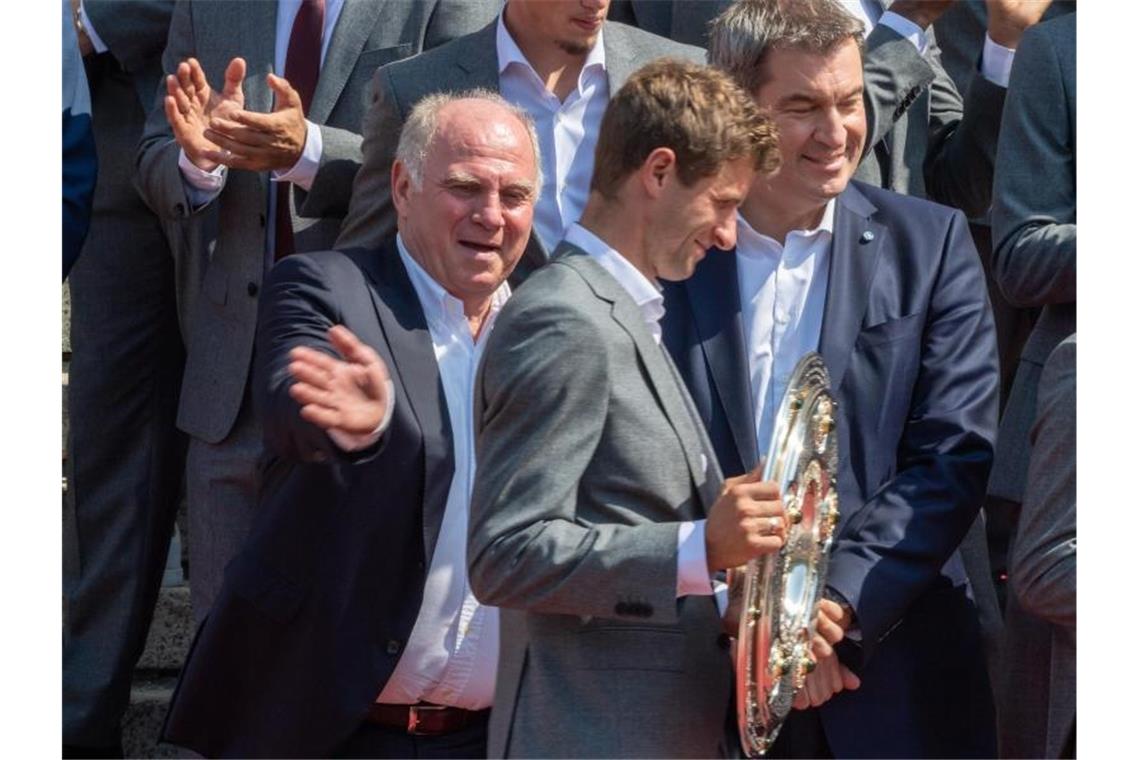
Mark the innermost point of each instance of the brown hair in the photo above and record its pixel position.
(741, 36)
(696, 111)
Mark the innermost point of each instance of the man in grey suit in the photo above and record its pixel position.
(247, 186)
(557, 60)
(124, 454)
(588, 514)
(1035, 265)
(1043, 562)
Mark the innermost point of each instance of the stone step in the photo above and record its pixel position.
(150, 696)
(171, 631)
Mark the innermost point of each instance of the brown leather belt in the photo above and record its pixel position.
(424, 719)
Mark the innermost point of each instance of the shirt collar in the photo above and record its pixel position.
(436, 301)
(645, 292)
(750, 240)
(508, 52)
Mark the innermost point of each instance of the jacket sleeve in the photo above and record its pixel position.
(893, 549)
(135, 32)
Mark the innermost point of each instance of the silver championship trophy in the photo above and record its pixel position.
(780, 591)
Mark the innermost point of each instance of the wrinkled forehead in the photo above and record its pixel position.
(488, 136)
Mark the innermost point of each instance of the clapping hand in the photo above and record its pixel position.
(191, 103)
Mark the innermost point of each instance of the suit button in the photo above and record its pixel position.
(393, 646)
(261, 218)
(251, 288)
(724, 641)
(621, 608)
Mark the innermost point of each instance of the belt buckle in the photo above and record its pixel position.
(414, 717)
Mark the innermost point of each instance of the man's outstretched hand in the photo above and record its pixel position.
(191, 103)
(350, 395)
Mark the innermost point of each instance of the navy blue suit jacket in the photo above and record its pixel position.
(316, 608)
(908, 339)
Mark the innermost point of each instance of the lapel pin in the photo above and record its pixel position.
(867, 236)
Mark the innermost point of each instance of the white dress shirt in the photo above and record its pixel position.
(453, 650)
(783, 288)
(996, 59)
(202, 186)
(692, 563)
(567, 131)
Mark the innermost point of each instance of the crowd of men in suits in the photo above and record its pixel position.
(461, 325)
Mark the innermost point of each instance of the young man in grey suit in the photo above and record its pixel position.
(557, 59)
(252, 172)
(598, 512)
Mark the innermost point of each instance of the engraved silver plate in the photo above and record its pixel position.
(781, 590)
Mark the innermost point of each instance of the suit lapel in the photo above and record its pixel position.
(663, 380)
(355, 23)
(855, 248)
(405, 328)
(714, 302)
(619, 57)
(476, 59)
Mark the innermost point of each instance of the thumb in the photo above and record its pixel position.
(286, 96)
(235, 73)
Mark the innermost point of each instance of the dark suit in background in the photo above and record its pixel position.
(1035, 265)
(124, 454)
(79, 164)
(908, 339)
(314, 610)
(224, 242)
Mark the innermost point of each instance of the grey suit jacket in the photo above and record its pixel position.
(1035, 223)
(1043, 565)
(468, 62)
(590, 452)
(226, 237)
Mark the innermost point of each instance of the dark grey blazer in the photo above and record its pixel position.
(227, 236)
(590, 452)
(1035, 223)
(466, 63)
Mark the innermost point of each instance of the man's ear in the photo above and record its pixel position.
(657, 170)
(401, 186)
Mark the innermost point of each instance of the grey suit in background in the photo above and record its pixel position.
(1035, 264)
(124, 454)
(1043, 563)
(223, 243)
(589, 453)
(468, 62)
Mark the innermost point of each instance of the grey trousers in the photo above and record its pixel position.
(222, 482)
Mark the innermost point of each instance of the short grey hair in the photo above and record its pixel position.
(741, 36)
(423, 122)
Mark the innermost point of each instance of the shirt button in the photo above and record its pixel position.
(251, 288)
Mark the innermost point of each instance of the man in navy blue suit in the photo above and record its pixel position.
(889, 289)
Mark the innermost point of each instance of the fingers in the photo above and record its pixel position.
(850, 680)
(285, 95)
(355, 350)
(229, 130)
(821, 648)
(235, 73)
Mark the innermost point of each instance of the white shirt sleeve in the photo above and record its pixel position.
(96, 40)
(997, 61)
(350, 442)
(906, 28)
(692, 564)
(201, 186)
(305, 170)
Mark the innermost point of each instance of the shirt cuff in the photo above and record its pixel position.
(997, 62)
(96, 40)
(201, 186)
(906, 28)
(692, 564)
(356, 442)
(305, 170)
